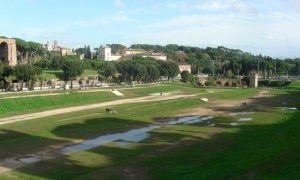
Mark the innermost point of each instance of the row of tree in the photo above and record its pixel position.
(137, 69)
(217, 61)
(29, 51)
(214, 61)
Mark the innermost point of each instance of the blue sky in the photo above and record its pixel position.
(267, 27)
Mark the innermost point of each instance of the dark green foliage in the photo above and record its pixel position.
(26, 72)
(86, 50)
(29, 50)
(229, 74)
(279, 83)
(72, 69)
(117, 48)
(211, 81)
(43, 63)
(186, 76)
(169, 69)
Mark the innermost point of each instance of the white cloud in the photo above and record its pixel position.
(96, 21)
(91, 22)
(275, 34)
(122, 17)
(242, 7)
(296, 4)
(200, 5)
(214, 5)
(119, 4)
(155, 7)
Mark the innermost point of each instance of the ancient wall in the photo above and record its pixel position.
(8, 51)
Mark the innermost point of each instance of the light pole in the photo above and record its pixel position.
(213, 67)
(275, 70)
(258, 67)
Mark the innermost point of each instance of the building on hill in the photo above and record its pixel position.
(134, 51)
(55, 48)
(66, 51)
(104, 53)
(185, 67)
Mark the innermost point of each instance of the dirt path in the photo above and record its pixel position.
(154, 97)
(215, 108)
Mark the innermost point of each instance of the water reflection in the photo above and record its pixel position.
(190, 120)
(132, 136)
(241, 113)
(135, 135)
(29, 159)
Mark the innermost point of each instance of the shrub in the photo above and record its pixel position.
(279, 83)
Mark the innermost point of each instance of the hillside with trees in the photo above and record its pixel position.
(33, 58)
(217, 61)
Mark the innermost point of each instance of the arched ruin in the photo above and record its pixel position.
(8, 51)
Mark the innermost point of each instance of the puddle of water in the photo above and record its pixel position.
(288, 108)
(211, 125)
(135, 135)
(241, 113)
(245, 119)
(132, 136)
(190, 120)
(234, 124)
(29, 159)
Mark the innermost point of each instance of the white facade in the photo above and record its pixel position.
(48, 46)
(134, 51)
(104, 52)
(185, 67)
(157, 57)
(54, 47)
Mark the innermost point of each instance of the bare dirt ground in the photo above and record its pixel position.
(214, 108)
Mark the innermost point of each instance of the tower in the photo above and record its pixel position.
(104, 52)
(253, 77)
(55, 44)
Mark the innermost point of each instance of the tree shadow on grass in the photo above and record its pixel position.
(96, 127)
(108, 161)
(17, 143)
(251, 152)
(248, 151)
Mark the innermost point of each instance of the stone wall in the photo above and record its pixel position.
(8, 51)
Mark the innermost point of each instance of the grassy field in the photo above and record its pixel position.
(57, 74)
(23, 105)
(266, 147)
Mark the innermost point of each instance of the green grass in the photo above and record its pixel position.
(232, 94)
(74, 126)
(263, 148)
(35, 104)
(88, 72)
(51, 74)
(253, 151)
(57, 74)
